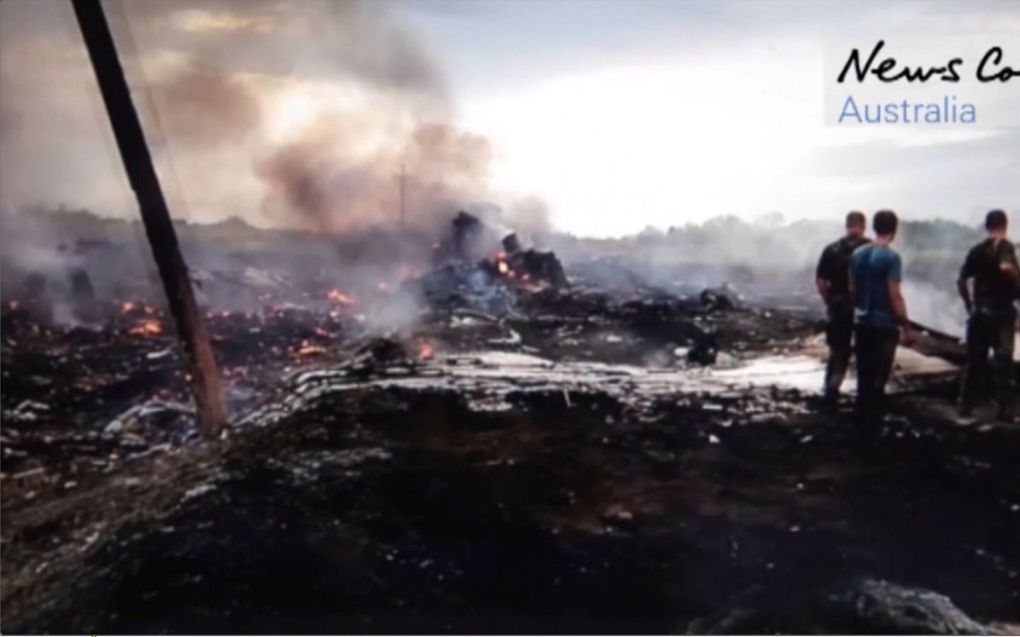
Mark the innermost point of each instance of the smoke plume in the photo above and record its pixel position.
(318, 114)
(344, 115)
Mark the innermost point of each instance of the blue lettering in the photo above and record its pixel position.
(850, 110)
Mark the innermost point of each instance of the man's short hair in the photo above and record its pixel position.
(995, 220)
(885, 222)
(856, 218)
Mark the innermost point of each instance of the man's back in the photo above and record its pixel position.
(872, 267)
(834, 266)
(994, 290)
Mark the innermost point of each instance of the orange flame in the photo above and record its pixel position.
(340, 297)
(146, 328)
(307, 349)
(425, 349)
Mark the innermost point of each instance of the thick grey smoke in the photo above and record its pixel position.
(320, 179)
(209, 107)
(356, 94)
(283, 113)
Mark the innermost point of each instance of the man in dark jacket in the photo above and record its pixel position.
(832, 277)
(992, 266)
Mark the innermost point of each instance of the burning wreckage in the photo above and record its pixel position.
(541, 449)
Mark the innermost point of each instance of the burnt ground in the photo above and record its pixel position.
(592, 480)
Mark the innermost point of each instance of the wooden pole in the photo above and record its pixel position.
(205, 375)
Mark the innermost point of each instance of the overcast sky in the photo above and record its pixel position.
(612, 115)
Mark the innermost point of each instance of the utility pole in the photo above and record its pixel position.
(205, 375)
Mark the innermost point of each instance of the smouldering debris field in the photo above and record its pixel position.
(530, 445)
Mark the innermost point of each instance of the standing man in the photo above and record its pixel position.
(832, 277)
(880, 313)
(992, 265)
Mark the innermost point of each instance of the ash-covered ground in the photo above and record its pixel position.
(524, 453)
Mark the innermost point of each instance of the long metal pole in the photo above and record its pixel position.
(205, 375)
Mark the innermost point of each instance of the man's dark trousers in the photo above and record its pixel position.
(994, 331)
(838, 334)
(875, 350)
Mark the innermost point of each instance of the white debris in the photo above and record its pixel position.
(513, 338)
(618, 513)
(722, 360)
(138, 414)
(89, 541)
(194, 492)
(163, 353)
(31, 405)
(26, 411)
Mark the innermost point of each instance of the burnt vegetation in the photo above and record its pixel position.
(479, 430)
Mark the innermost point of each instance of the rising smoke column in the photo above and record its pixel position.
(291, 113)
(347, 96)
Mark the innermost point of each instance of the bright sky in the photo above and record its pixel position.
(623, 115)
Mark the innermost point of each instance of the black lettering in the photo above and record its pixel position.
(953, 75)
(887, 71)
(994, 55)
(916, 74)
(887, 64)
(855, 60)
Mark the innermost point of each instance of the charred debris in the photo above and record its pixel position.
(477, 436)
(83, 371)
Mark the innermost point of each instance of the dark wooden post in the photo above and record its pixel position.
(205, 376)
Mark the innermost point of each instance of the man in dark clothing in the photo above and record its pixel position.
(832, 277)
(992, 266)
(880, 313)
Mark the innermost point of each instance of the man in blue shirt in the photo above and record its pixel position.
(880, 312)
